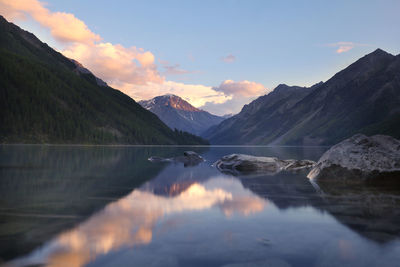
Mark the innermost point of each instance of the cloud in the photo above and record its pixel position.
(195, 94)
(132, 70)
(173, 69)
(342, 47)
(10, 13)
(229, 58)
(241, 93)
(113, 63)
(76, 31)
(231, 106)
(241, 88)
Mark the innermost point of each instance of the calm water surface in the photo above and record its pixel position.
(109, 206)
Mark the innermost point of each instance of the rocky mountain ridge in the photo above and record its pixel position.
(362, 98)
(180, 114)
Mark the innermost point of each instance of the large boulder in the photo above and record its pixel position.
(244, 164)
(189, 158)
(360, 159)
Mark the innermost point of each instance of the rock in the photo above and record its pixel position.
(360, 159)
(295, 165)
(189, 158)
(192, 155)
(158, 159)
(244, 164)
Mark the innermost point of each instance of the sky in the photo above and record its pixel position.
(218, 55)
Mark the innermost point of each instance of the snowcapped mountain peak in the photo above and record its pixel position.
(180, 114)
(170, 100)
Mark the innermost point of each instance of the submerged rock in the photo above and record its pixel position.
(360, 159)
(189, 158)
(242, 164)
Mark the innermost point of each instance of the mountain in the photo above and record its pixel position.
(48, 98)
(362, 98)
(179, 114)
(226, 116)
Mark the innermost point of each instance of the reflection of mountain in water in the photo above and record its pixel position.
(47, 189)
(131, 220)
(175, 178)
(370, 211)
(55, 188)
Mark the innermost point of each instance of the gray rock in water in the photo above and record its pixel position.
(189, 158)
(295, 165)
(159, 159)
(360, 159)
(244, 164)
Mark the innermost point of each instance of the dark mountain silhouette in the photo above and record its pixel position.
(362, 98)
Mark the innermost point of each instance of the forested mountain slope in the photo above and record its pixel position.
(48, 98)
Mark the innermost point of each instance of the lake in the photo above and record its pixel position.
(110, 206)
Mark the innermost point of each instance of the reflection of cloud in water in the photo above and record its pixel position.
(131, 220)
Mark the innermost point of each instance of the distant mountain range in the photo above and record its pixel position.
(48, 98)
(179, 114)
(362, 98)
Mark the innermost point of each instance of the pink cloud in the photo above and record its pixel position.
(173, 69)
(57, 22)
(115, 63)
(130, 69)
(229, 58)
(111, 62)
(241, 88)
(342, 47)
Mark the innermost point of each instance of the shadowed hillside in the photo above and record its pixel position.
(363, 98)
(48, 98)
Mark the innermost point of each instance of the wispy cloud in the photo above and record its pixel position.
(173, 69)
(132, 70)
(241, 88)
(229, 58)
(342, 47)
